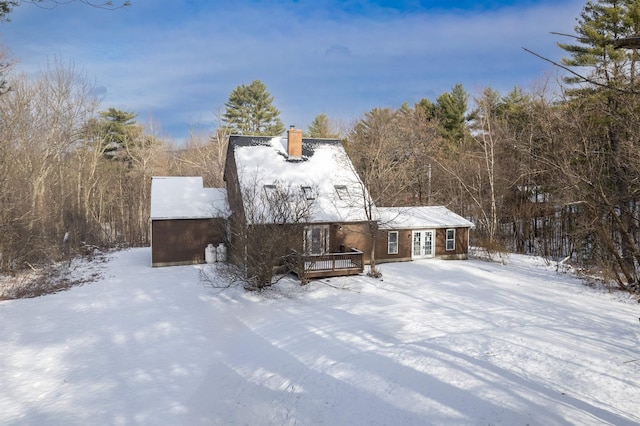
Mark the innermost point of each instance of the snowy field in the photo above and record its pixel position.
(433, 343)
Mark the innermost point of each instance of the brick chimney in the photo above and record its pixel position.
(294, 143)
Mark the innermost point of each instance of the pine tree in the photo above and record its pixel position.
(321, 128)
(115, 130)
(451, 109)
(250, 111)
(600, 24)
(427, 108)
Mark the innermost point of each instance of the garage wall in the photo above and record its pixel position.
(182, 241)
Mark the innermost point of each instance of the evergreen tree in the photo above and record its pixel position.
(117, 125)
(116, 130)
(602, 22)
(513, 103)
(426, 107)
(321, 128)
(250, 111)
(451, 109)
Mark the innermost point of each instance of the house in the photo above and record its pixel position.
(185, 218)
(299, 203)
(408, 233)
(301, 197)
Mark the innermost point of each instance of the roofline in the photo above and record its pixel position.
(185, 217)
(248, 140)
(404, 228)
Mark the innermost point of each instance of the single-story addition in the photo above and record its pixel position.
(407, 233)
(185, 218)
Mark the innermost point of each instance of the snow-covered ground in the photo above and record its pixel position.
(434, 342)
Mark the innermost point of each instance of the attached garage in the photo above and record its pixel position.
(185, 218)
(409, 233)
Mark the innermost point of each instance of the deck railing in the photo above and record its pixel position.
(333, 264)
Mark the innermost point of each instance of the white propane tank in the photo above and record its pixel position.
(222, 252)
(210, 254)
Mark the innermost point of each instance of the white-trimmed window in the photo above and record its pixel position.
(451, 239)
(392, 242)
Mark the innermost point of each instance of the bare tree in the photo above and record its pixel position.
(5, 67)
(57, 189)
(203, 156)
(382, 157)
(270, 237)
(41, 122)
(486, 138)
(593, 155)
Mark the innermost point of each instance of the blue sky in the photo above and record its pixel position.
(175, 62)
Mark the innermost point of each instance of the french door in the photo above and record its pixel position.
(422, 246)
(316, 239)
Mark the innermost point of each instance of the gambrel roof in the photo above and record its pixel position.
(323, 174)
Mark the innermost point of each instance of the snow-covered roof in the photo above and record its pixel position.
(325, 172)
(178, 197)
(420, 217)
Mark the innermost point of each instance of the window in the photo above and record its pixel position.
(343, 192)
(392, 242)
(451, 239)
(308, 193)
(270, 191)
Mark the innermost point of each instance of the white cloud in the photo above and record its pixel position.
(180, 64)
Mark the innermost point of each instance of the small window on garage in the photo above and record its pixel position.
(392, 242)
(451, 239)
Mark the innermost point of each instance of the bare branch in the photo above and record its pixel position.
(52, 4)
(580, 76)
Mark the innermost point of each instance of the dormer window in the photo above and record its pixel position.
(342, 191)
(308, 193)
(270, 191)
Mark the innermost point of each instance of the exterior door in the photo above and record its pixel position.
(422, 246)
(316, 239)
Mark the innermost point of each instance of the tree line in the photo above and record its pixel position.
(553, 170)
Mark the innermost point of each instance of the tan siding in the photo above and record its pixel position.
(404, 246)
(405, 241)
(351, 235)
(461, 249)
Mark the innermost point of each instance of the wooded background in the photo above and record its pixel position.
(552, 170)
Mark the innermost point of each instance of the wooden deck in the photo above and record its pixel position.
(334, 264)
